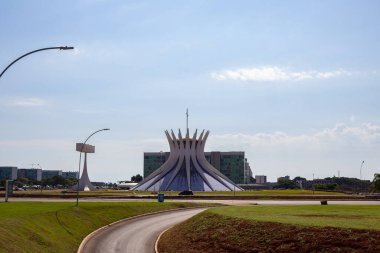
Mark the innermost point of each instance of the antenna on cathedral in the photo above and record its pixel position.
(187, 118)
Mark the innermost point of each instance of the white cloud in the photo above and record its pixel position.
(27, 102)
(273, 73)
(322, 152)
(365, 133)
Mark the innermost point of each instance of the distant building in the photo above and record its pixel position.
(70, 174)
(31, 174)
(231, 164)
(126, 186)
(8, 173)
(247, 173)
(261, 179)
(153, 160)
(51, 173)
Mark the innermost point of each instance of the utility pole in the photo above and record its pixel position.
(361, 183)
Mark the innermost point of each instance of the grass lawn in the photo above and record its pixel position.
(60, 227)
(269, 192)
(332, 228)
(343, 216)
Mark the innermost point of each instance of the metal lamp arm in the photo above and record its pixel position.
(34, 51)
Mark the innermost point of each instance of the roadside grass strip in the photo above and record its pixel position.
(333, 228)
(60, 227)
(342, 216)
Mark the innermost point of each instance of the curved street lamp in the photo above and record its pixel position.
(34, 51)
(80, 157)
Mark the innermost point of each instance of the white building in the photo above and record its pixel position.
(261, 179)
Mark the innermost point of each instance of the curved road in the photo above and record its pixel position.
(136, 235)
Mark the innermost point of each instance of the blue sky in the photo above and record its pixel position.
(295, 84)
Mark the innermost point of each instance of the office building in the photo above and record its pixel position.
(51, 173)
(70, 174)
(153, 160)
(8, 173)
(247, 173)
(31, 174)
(261, 179)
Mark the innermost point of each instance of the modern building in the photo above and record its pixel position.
(186, 167)
(247, 173)
(8, 173)
(51, 173)
(261, 179)
(231, 164)
(31, 174)
(154, 160)
(70, 174)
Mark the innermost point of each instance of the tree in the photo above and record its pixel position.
(329, 187)
(299, 179)
(136, 179)
(286, 184)
(59, 180)
(375, 185)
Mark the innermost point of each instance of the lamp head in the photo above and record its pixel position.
(66, 48)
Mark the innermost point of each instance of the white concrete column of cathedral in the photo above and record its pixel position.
(187, 168)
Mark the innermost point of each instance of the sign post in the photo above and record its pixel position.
(8, 189)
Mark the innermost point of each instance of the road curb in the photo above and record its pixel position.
(158, 238)
(89, 236)
(163, 232)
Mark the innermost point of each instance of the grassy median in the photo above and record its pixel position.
(333, 228)
(60, 227)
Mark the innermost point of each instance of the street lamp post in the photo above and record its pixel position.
(34, 51)
(361, 167)
(361, 183)
(80, 158)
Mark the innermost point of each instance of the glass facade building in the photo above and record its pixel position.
(51, 173)
(153, 160)
(8, 173)
(70, 174)
(31, 174)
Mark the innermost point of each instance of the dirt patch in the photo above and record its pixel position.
(209, 232)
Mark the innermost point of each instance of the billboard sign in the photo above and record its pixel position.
(85, 148)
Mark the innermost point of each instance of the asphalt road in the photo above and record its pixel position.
(136, 235)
